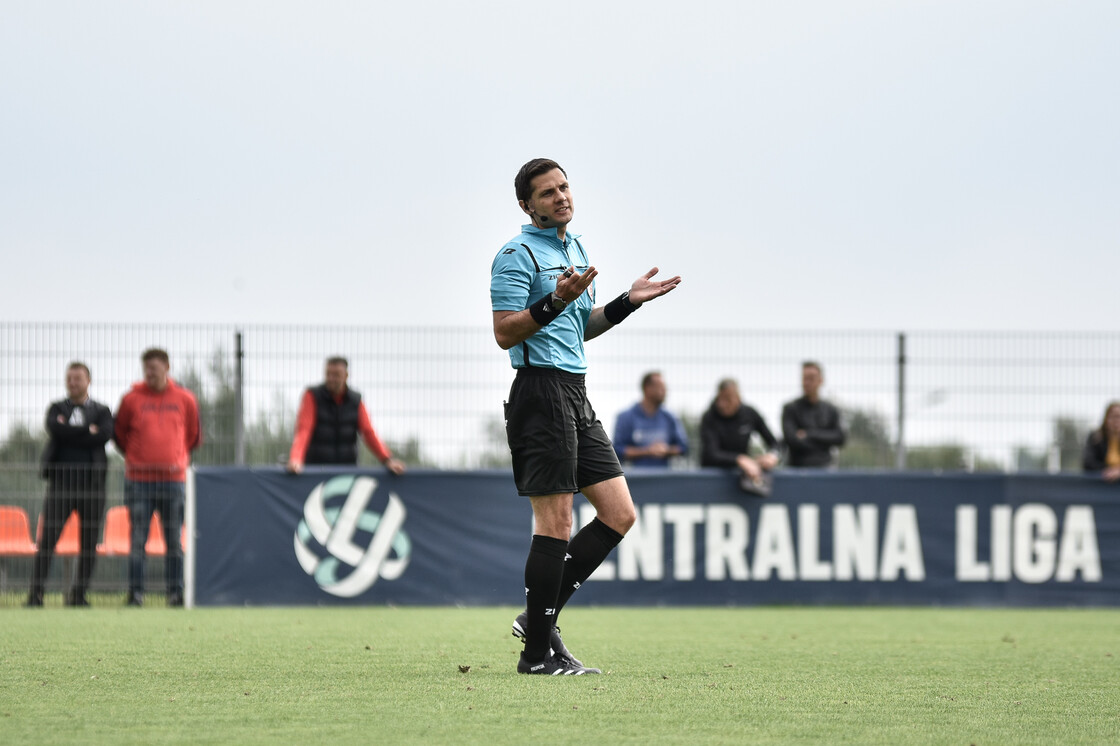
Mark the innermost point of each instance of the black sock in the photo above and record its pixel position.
(586, 551)
(544, 570)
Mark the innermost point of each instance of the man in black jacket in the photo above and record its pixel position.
(810, 425)
(726, 430)
(74, 466)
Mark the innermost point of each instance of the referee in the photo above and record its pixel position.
(542, 290)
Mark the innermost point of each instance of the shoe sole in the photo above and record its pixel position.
(518, 632)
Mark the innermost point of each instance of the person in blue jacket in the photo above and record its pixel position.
(647, 434)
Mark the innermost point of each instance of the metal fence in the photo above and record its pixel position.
(998, 400)
(925, 400)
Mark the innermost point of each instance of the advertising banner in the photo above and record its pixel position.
(362, 536)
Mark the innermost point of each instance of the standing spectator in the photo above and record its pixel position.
(810, 425)
(726, 430)
(1102, 449)
(157, 428)
(647, 434)
(331, 416)
(74, 466)
(542, 294)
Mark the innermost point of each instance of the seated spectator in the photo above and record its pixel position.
(726, 430)
(810, 425)
(1102, 450)
(647, 434)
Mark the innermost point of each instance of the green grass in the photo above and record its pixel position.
(383, 675)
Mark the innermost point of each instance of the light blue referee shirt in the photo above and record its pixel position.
(526, 270)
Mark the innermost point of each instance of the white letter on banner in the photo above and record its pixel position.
(341, 541)
(365, 574)
(902, 545)
(809, 544)
(968, 568)
(684, 519)
(641, 555)
(1000, 555)
(1035, 530)
(725, 543)
(773, 544)
(1079, 550)
(855, 542)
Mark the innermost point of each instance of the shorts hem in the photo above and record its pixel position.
(543, 493)
(600, 480)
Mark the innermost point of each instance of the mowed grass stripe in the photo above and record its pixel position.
(698, 675)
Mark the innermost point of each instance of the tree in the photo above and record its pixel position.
(217, 411)
(869, 444)
(265, 443)
(19, 466)
(1068, 438)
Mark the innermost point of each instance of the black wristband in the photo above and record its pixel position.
(542, 311)
(619, 308)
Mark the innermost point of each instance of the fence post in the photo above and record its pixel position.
(239, 403)
(900, 443)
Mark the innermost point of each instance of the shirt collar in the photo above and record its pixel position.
(548, 233)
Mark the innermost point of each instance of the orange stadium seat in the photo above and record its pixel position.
(118, 534)
(117, 529)
(156, 545)
(15, 532)
(68, 541)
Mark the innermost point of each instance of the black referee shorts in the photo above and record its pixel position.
(558, 444)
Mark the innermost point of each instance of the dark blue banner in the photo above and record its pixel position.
(356, 536)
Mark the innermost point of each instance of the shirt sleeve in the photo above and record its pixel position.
(193, 424)
(123, 426)
(833, 433)
(764, 432)
(1092, 458)
(369, 435)
(64, 432)
(305, 423)
(679, 435)
(511, 277)
(105, 426)
(789, 425)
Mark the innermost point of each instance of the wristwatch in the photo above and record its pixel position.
(558, 304)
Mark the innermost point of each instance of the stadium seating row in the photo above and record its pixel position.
(15, 534)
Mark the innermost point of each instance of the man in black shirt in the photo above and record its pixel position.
(810, 425)
(726, 430)
(74, 467)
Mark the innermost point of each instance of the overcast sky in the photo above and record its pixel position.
(833, 165)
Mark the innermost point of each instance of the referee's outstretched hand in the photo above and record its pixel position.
(646, 288)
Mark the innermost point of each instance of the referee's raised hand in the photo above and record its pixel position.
(645, 288)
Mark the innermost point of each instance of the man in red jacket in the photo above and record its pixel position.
(157, 427)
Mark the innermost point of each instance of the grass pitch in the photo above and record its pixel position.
(382, 675)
